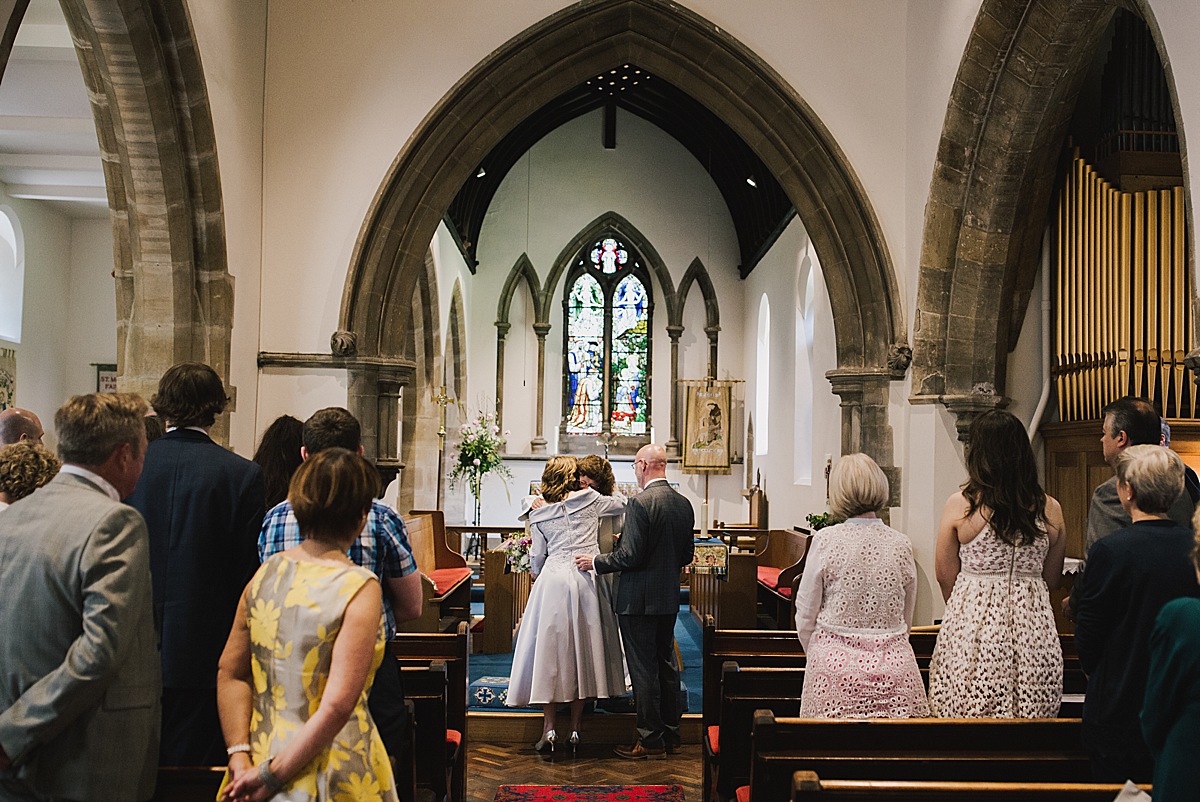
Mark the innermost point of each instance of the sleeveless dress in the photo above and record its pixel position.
(295, 612)
(853, 610)
(567, 647)
(998, 653)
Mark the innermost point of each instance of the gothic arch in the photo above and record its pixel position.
(456, 344)
(609, 221)
(720, 72)
(989, 198)
(143, 73)
(522, 271)
(696, 274)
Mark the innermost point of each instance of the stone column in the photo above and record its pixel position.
(865, 428)
(502, 328)
(674, 332)
(713, 332)
(538, 443)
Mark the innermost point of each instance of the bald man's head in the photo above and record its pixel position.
(650, 463)
(17, 425)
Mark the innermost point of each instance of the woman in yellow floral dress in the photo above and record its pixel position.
(307, 638)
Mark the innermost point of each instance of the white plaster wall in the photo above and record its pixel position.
(232, 38)
(69, 307)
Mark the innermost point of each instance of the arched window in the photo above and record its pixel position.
(12, 276)
(606, 353)
(762, 379)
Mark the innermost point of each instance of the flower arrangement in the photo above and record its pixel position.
(821, 521)
(477, 454)
(516, 552)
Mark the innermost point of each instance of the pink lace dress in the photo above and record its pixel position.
(854, 607)
(998, 654)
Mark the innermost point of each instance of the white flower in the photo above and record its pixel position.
(476, 461)
(507, 432)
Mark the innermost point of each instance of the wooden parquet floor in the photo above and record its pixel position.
(490, 765)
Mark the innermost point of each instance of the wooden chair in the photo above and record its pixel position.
(960, 750)
(421, 650)
(445, 577)
(807, 786)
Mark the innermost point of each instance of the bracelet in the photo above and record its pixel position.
(269, 780)
(233, 750)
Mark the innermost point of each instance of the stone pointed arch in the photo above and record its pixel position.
(143, 73)
(609, 221)
(522, 271)
(989, 199)
(456, 343)
(716, 69)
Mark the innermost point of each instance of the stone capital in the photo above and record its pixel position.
(968, 407)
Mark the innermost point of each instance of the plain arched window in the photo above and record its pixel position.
(762, 378)
(12, 276)
(803, 395)
(606, 356)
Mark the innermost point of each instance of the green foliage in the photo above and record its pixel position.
(821, 520)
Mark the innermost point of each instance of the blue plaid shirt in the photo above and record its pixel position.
(381, 548)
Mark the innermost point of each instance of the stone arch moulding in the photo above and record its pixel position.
(143, 73)
(990, 195)
(522, 271)
(717, 70)
(696, 274)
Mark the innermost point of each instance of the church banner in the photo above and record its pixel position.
(706, 436)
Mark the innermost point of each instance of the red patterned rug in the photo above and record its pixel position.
(589, 793)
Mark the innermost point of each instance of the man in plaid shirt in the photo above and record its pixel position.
(381, 548)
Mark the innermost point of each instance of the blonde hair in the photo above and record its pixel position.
(857, 485)
(24, 467)
(560, 476)
(91, 427)
(1155, 474)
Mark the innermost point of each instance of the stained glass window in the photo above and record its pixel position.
(607, 347)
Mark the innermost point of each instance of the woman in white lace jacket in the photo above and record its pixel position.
(855, 604)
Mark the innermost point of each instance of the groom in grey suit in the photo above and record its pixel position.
(79, 666)
(655, 544)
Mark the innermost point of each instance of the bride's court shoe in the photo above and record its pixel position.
(546, 744)
(574, 740)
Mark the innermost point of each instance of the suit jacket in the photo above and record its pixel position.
(1105, 515)
(656, 542)
(1130, 575)
(79, 666)
(203, 506)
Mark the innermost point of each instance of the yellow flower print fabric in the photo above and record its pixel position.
(295, 612)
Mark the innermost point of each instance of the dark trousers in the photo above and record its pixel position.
(386, 703)
(191, 728)
(1117, 756)
(649, 642)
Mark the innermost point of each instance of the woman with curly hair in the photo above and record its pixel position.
(1000, 549)
(567, 649)
(24, 467)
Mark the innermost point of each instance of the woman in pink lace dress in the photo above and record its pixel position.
(1000, 551)
(855, 604)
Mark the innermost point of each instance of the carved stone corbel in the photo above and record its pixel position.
(967, 408)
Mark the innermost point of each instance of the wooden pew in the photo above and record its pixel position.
(807, 786)
(435, 753)
(188, 783)
(780, 558)
(1009, 750)
(445, 577)
(504, 598)
(422, 650)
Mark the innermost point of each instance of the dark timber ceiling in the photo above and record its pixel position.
(759, 212)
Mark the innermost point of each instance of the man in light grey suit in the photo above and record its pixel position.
(655, 544)
(79, 665)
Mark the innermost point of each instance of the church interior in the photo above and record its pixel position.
(866, 222)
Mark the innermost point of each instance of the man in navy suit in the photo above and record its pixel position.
(655, 544)
(203, 507)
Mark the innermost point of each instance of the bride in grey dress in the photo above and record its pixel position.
(567, 648)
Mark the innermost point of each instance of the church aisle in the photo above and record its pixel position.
(490, 765)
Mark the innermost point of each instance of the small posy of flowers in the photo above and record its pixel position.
(516, 551)
(478, 452)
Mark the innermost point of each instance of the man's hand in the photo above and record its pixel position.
(1067, 612)
(5, 760)
(584, 562)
